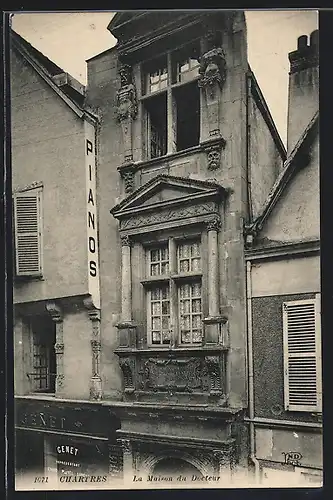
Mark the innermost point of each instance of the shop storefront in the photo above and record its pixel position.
(59, 442)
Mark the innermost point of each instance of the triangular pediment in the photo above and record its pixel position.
(163, 191)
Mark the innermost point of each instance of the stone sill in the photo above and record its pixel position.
(173, 352)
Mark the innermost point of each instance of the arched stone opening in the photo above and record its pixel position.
(172, 466)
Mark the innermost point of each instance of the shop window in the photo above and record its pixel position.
(302, 355)
(43, 358)
(174, 293)
(28, 232)
(171, 99)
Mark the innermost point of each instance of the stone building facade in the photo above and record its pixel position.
(188, 152)
(170, 211)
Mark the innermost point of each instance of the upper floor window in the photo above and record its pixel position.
(28, 232)
(174, 302)
(171, 102)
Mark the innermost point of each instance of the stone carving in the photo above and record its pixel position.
(223, 459)
(168, 215)
(56, 315)
(126, 445)
(214, 157)
(214, 224)
(59, 348)
(127, 174)
(127, 367)
(127, 109)
(214, 371)
(54, 311)
(181, 375)
(95, 318)
(212, 71)
(59, 381)
(125, 240)
(126, 98)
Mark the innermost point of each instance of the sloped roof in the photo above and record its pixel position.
(295, 158)
(67, 87)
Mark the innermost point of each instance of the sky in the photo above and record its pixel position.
(69, 39)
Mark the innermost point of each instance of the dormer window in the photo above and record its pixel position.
(171, 102)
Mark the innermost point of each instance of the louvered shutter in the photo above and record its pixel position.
(27, 215)
(302, 355)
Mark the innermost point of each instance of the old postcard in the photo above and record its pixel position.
(167, 324)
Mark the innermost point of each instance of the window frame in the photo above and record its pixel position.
(174, 280)
(36, 192)
(35, 336)
(289, 406)
(171, 118)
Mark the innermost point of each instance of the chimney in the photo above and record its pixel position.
(303, 98)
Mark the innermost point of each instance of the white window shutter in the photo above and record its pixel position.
(27, 221)
(302, 355)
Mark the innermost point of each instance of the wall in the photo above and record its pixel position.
(303, 102)
(271, 444)
(101, 95)
(77, 355)
(103, 83)
(265, 157)
(296, 215)
(48, 146)
(268, 358)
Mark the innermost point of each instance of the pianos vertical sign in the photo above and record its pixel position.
(91, 209)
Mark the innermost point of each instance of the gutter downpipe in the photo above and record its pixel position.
(250, 371)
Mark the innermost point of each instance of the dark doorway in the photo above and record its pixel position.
(175, 466)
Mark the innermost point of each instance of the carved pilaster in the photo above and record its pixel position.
(127, 367)
(95, 318)
(223, 459)
(214, 371)
(56, 315)
(127, 109)
(211, 80)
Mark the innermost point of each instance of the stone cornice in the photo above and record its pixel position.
(283, 249)
(172, 441)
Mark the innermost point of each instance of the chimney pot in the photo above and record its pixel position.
(302, 42)
(314, 38)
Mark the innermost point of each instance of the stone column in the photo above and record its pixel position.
(126, 280)
(213, 227)
(128, 469)
(57, 317)
(96, 380)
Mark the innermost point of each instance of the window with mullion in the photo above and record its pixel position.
(159, 314)
(190, 313)
(189, 258)
(176, 301)
(159, 261)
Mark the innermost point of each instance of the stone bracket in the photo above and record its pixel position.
(127, 173)
(213, 149)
